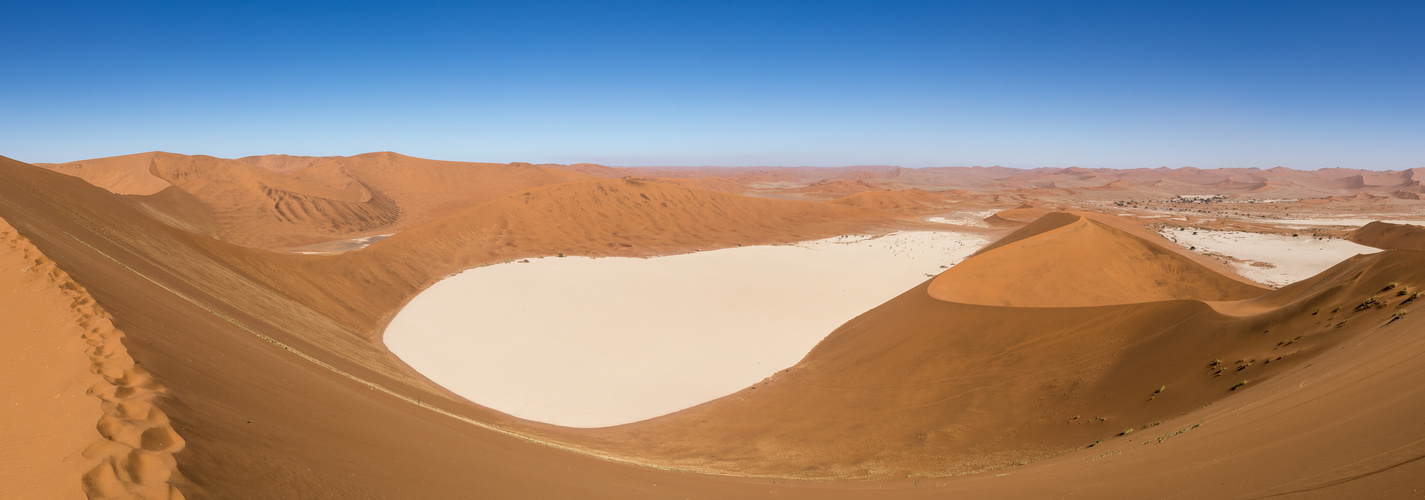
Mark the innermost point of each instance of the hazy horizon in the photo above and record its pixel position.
(734, 166)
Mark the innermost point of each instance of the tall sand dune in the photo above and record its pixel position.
(1067, 260)
(1385, 235)
(129, 174)
(281, 202)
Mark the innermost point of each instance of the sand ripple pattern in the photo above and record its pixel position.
(136, 454)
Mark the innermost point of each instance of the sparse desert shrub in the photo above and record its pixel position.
(1126, 431)
(1389, 286)
(1214, 362)
(1398, 314)
(1239, 385)
(1160, 389)
(1370, 302)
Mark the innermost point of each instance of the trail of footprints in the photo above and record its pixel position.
(136, 453)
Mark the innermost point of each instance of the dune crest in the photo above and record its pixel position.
(1067, 260)
(128, 174)
(132, 454)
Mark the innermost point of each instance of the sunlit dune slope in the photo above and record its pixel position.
(280, 202)
(79, 413)
(1066, 260)
(904, 201)
(128, 174)
(48, 418)
(1390, 236)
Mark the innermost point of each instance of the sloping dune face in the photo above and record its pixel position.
(1067, 260)
(285, 202)
(1387, 236)
(128, 174)
(79, 415)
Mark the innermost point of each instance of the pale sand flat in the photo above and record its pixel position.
(1291, 258)
(586, 342)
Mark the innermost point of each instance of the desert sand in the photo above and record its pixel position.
(79, 415)
(1079, 355)
(586, 342)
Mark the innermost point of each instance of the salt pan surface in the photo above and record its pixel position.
(586, 342)
(1289, 259)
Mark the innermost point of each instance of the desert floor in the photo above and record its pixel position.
(1276, 260)
(585, 342)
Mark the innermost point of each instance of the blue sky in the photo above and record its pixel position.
(1302, 84)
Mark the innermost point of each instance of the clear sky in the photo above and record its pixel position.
(1303, 84)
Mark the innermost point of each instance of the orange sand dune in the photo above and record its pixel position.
(282, 202)
(1065, 260)
(1390, 236)
(1018, 216)
(269, 371)
(79, 413)
(128, 174)
(825, 189)
(908, 201)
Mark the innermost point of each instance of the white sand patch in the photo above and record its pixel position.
(340, 246)
(586, 342)
(1308, 223)
(1271, 259)
(973, 219)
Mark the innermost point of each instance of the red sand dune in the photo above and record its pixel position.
(281, 202)
(1018, 216)
(1066, 260)
(1389, 236)
(907, 201)
(267, 378)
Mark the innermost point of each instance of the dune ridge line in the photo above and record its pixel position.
(136, 453)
